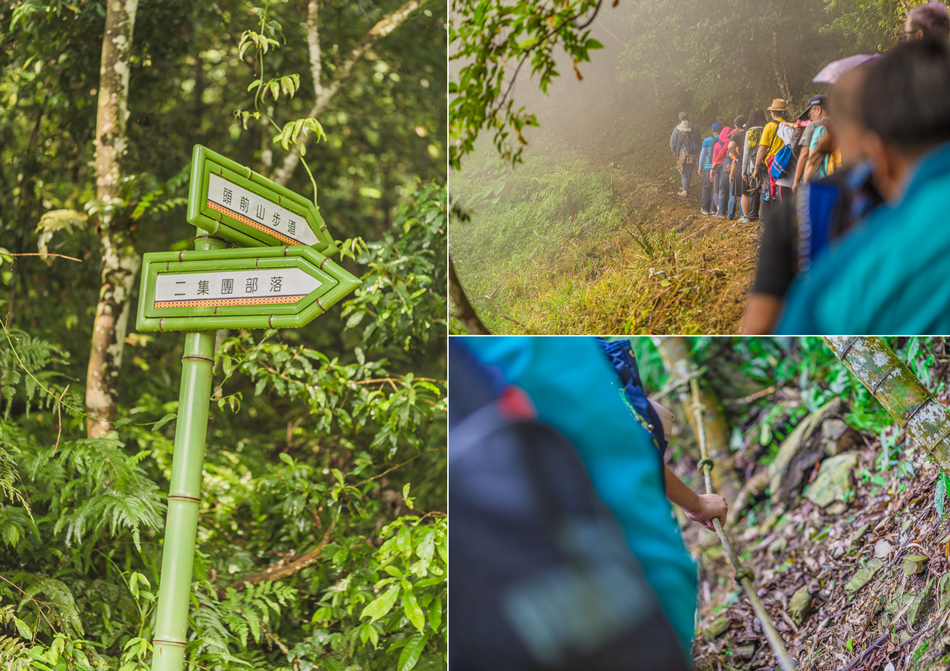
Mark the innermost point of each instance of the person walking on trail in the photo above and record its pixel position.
(732, 165)
(719, 155)
(816, 113)
(704, 168)
(684, 144)
(928, 20)
(751, 190)
(889, 274)
(775, 135)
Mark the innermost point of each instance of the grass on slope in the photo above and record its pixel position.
(555, 246)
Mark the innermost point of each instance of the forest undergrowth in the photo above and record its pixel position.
(588, 236)
(842, 517)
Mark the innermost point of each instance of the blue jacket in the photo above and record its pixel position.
(888, 276)
(571, 384)
(705, 155)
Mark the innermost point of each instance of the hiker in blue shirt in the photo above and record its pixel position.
(684, 144)
(889, 276)
(704, 168)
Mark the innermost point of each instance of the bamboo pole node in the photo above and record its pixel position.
(744, 575)
(705, 462)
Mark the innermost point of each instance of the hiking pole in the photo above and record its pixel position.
(744, 576)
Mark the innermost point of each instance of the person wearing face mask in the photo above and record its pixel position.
(889, 274)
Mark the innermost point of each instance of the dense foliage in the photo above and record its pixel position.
(492, 40)
(322, 533)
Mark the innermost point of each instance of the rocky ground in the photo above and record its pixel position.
(851, 557)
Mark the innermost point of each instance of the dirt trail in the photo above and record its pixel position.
(875, 575)
(644, 182)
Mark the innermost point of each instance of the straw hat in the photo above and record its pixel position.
(778, 105)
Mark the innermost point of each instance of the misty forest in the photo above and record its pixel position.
(565, 213)
(833, 456)
(321, 540)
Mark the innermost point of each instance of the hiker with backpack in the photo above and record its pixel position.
(751, 183)
(719, 156)
(736, 150)
(777, 171)
(731, 166)
(704, 168)
(684, 144)
(816, 114)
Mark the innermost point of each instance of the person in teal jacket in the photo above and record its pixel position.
(571, 384)
(889, 276)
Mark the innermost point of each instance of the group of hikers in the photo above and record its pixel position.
(849, 191)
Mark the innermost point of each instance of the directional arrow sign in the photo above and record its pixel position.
(232, 202)
(274, 287)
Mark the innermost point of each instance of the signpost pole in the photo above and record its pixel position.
(181, 526)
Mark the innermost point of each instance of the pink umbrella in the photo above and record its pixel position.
(830, 73)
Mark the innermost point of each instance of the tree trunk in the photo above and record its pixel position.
(324, 93)
(465, 313)
(120, 261)
(778, 63)
(898, 390)
(675, 353)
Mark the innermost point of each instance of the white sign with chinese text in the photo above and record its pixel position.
(233, 287)
(258, 212)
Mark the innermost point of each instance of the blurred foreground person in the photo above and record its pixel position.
(890, 275)
(564, 552)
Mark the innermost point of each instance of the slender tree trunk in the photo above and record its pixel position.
(778, 63)
(324, 93)
(675, 353)
(120, 261)
(464, 310)
(898, 390)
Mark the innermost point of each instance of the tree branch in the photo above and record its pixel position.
(282, 570)
(343, 73)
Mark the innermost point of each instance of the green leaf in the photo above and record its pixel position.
(21, 627)
(410, 654)
(940, 496)
(379, 607)
(163, 421)
(413, 611)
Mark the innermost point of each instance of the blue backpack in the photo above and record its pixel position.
(781, 162)
(541, 577)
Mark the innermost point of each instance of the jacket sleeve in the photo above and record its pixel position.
(702, 157)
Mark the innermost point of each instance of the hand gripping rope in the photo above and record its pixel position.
(744, 575)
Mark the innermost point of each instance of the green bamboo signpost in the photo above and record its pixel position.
(280, 278)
